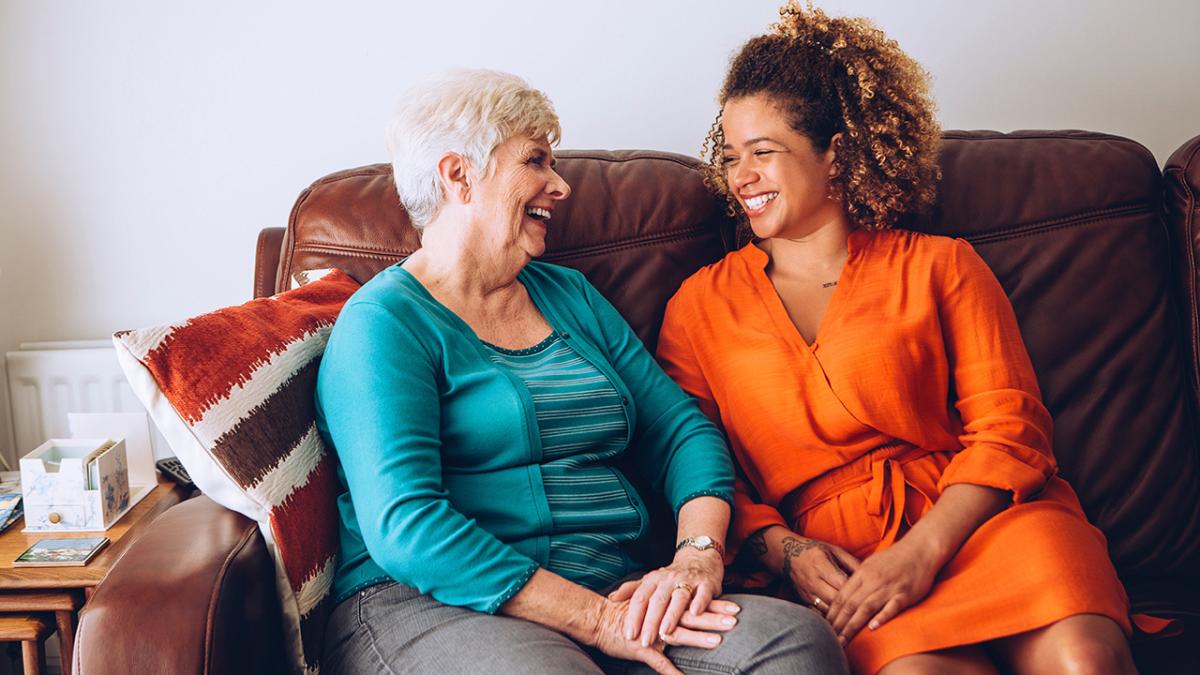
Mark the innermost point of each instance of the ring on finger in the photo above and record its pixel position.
(684, 586)
(818, 602)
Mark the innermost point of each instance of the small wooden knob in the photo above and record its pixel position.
(54, 517)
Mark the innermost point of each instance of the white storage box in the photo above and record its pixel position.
(56, 488)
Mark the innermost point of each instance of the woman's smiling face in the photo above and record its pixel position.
(520, 193)
(777, 176)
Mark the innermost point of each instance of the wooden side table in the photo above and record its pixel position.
(63, 590)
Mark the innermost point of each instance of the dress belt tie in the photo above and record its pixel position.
(887, 496)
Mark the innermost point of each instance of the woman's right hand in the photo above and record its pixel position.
(703, 631)
(817, 570)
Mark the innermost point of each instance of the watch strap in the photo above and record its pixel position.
(702, 543)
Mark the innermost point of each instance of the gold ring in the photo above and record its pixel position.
(684, 586)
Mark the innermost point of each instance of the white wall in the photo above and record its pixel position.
(145, 143)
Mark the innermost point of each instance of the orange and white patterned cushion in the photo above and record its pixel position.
(232, 392)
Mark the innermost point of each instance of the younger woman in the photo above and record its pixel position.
(895, 456)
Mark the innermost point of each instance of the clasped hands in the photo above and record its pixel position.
(853, 594)
(672, 605)
(675, 605)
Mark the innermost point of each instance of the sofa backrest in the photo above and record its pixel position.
(641, 224)
(1072, 224)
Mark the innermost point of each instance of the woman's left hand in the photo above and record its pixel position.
(887, 583)
(659, 599)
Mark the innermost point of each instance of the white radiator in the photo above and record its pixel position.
(47, 380)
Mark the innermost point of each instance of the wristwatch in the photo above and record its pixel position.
(702, 543)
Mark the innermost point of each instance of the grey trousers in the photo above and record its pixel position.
(391, 628)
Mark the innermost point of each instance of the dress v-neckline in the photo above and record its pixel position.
(758, 259)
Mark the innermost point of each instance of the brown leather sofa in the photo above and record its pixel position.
(1095, 245)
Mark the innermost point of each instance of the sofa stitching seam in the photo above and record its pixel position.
(1041, 227)
(584, 252)
(350, 254)
(76, 657)
(319, 245)
(651, 156)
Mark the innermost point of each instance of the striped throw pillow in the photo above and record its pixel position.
(232, 392)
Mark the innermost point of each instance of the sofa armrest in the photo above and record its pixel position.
(194, 594)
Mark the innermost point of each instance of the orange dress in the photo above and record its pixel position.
(917, 379)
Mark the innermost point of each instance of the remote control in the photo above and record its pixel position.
(172, 468)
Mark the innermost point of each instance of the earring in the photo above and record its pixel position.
(830, 191)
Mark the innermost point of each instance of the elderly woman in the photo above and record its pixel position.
(478, 403)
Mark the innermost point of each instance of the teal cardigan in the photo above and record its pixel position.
(439, 451)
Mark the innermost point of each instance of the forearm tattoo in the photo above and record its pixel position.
(793, 547)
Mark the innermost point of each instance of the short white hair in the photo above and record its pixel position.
(468, 112)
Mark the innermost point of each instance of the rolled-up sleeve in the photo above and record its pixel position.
(1007, 431)
(377, 392)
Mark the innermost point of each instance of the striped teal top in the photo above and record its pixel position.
(440, 447)
(582, 426)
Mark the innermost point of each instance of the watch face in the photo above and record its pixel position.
(703, 541)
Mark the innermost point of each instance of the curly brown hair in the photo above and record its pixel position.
(842, 75)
